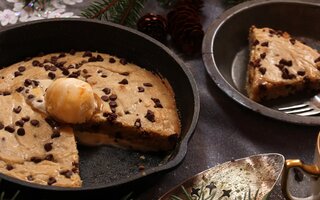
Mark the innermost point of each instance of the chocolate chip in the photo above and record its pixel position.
(262, 70)
(20, 89)
(150, 116)
(104, 76)
(87, 54)
(17, 74)
(51, 75)
(49, 157)
(286, 74)
(125, 73)
(48, 146)
(140, 89)
(285, 62)
(35, 159)
(72, 52)
(9, 167)
(110, 116)
(9, 128)
(21, 68)
(317, 60)
(75, 74)
(66, 173)
(19, 123)
(17, 109)
(263, 55)
(47, 67)
(99, 71)
(265, 44)
(113, 97)
(62, 54)
(30, 96)
(157, 103)
(26, 118)
(137, 123)
(106, 90)
(99, 58)
(1, 126)
(35, 123)
(113, 109)
(35, 83)
(112, 60)
(65, 72)
(6, 93)
(105, 98)
(55, 133)
(21, 132)
(53, 68)
(113, 104)
(124, 82)
(256, 42)
(85, 71)
(40, 100)
(292, 41)
(54, 59)
(51, 180)
(35, 63)
(301, 73)
(123, 61)
(126, 112)
(147, 84)
(27, 82)
(30, 178)
(92, 59)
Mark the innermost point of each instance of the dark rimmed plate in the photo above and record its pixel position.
(103, 167)
(226, 54)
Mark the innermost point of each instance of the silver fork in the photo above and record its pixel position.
(308, 108)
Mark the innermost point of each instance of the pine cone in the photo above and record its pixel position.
(184, 26)
(154, 26)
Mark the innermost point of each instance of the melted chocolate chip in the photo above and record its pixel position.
(286, 62)
(99, 58)
(113, 104)
(66, 173)
(35, 63)
(150, 116)
(124, 82)
(92, 59)
(17, 74)
(110, 116)
(51, 75)
(21, 68)
(27, 82)
(87, 54)
(30, 96)
(19, 123)
(55, 133)
(157, 103)
(263, 55)
(123, 61)
(17, 109)
(112, 60)
(262, 70)
(113, 97)
(147, 84)
(301, 73)
(21, 132)
(26, 118)
(106, 90)
(140, 89)
(65, 71)
(9, 167)
(125, 73)
(104, 76)
(35, 159)
(6, 93)
(105, 98)
(35, 83)
(62, 54)
(265, 44)
(35, 123)
(9, 128)
(137, 123)
(20, 89)
(256, 42)
(48, 146)
(49, 157)
(51, 180)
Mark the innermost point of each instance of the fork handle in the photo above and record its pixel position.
(310, 170)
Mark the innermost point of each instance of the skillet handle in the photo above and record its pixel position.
(311, 170)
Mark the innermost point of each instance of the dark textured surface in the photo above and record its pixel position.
(225, 131)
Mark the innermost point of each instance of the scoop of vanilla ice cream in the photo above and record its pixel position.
(70, 100)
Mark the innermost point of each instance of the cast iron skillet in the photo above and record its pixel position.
(103, 167)
(226, 54)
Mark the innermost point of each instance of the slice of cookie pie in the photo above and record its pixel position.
(280, 65)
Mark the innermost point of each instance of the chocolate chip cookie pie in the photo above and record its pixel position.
(280, 65)
(50, 102)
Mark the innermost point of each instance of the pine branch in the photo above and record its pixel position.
(125, 12)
